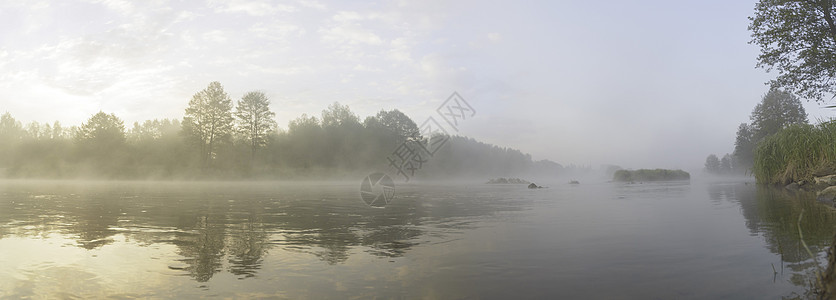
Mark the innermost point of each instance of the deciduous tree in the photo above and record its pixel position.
(712, 164)
(208, 121)
(255, 120)
(798, 39)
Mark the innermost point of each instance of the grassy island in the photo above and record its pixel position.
(650, 175)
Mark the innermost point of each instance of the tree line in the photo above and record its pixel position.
(777, 110)
(222, 138)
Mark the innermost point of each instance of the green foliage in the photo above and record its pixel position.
(338, 115)
(778, 109)
(255, 120)
(744, 146)
(650, 175)
(798, 39)
(200, 146)
(208, 121)
(793, 154)
(396, 122)
(100, 131)
(722, 166)
(712, 164)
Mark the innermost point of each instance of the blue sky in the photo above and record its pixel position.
(639, 84)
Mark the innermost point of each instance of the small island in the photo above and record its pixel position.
(650, 175)
(503, 180)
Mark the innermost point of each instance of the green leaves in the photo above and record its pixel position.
(102, 130)
(254, 119)
(797, 39)
(208, 120)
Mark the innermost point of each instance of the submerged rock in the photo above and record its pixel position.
(792, 186)
(534, 186)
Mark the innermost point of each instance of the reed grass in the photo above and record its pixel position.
(795, 153)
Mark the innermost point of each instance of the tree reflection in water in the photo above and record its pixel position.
(772, 213)
(231, 228)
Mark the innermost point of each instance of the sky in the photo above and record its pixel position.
(640, 84)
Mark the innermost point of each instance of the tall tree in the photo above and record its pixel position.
(397, 123)
(305, 143)
(798, 39)
(712, 164)
(777, 110)
(208, 121)
(338, 115)
(57, 131)
(11, 130)
(726, 164)
(343, 133)
(102, 131)
(744, 146)
(255, 120)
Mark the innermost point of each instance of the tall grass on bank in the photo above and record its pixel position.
(795, 153)
(650, 175)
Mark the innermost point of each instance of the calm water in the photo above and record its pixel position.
(319, 240)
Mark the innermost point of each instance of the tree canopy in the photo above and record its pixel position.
(336, 144)
(208, 120)
(777, 110)
(102, 130)
(712, 164)
(255, 120)
(798, 39)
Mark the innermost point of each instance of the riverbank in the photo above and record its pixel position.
(803, 156)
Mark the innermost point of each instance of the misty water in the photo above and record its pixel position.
(437, 241)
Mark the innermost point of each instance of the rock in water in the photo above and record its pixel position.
(533, 186)
(827, 195)
(828, 180)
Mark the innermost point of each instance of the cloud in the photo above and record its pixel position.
(350, 34)
(312, 4)
(121, 6)
(215, 36)
(251, 7)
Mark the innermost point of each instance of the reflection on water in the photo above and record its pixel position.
(221, 228)
(773, 213)
(318, 240)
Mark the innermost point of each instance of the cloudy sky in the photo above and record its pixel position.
(639, 84)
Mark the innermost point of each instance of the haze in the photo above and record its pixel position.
(640, 84)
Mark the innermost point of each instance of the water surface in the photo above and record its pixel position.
(437, 241)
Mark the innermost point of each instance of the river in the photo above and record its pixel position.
(319, 240)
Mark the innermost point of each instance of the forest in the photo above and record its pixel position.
(219, 140)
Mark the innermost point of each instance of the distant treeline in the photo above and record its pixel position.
(650, 175)
(215, 140)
